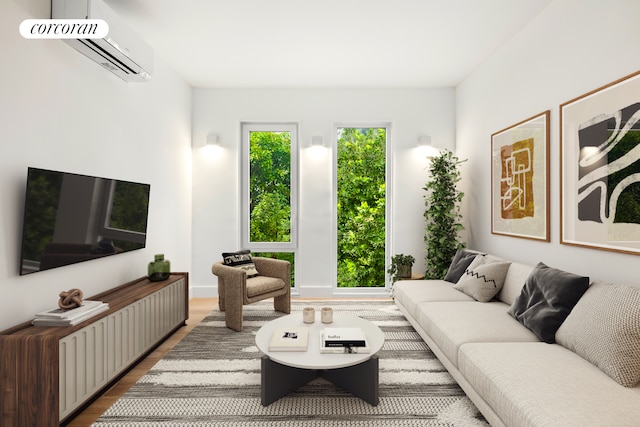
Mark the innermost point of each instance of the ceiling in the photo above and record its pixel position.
(326, 43)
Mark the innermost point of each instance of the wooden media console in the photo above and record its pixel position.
(47, 374)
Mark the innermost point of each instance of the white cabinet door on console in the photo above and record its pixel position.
(83, 365)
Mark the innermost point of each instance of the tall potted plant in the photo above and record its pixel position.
(442, 214)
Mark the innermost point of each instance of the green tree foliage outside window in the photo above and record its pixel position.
(361, 207)
(270, 185)
(270, 192)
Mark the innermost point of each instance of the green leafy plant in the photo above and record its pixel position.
(442, 214)
(400, 267)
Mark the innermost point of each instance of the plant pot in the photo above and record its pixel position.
(404, 271)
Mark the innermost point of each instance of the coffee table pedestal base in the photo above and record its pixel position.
(279, 380)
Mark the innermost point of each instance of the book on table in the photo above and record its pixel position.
(344, 349)
(60, 313)
(60, 317)
(344, 337)
(290, 339)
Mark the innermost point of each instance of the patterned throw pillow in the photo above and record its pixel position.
(604, 328)
(483, 279)
(241, 259)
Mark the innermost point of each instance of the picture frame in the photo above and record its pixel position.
(600, 168)
(520, 179)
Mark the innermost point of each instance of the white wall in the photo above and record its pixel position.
(216, 185)
(60, 110)
(572, 47)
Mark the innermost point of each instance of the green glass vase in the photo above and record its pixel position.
(159, 269)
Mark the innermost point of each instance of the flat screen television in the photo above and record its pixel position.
(70, 218)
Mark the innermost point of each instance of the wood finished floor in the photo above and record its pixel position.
(198, 309)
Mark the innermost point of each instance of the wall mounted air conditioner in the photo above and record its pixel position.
(122, 51)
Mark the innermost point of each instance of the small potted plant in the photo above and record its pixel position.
(401, 267)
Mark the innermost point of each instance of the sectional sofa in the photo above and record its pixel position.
(532, 345)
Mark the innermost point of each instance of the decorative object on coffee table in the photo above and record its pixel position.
(159, 269)
(326, 315)
(70, 299)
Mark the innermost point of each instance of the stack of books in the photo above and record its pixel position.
(343, 340)
(60, 317)
(289, 339)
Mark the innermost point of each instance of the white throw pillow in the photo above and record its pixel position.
(604, 328)
(483, 279)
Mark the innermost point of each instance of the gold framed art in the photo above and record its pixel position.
(520, 179)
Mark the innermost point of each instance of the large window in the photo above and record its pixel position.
(269, 189)
(361, 206)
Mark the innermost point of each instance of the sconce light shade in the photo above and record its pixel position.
(212, 139)
(424, 140)
(316, 141)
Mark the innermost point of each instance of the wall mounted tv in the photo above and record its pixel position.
(70, 218)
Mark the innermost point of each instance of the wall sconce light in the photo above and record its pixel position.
(424, 141)
(316, 141)
(212, 139)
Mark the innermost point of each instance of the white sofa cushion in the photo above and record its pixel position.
(604, 328)
(451, 324)
(538, 384)
(483, 279)
(410, 293)
(513, 283)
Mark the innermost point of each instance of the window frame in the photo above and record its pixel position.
(246, 129)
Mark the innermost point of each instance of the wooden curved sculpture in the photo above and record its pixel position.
(70, 299)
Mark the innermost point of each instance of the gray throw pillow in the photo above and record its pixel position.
(459, 264)
(604, 328)
(242, 260)
(547, 298)
(483, 279)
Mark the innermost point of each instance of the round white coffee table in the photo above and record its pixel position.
(285, 371)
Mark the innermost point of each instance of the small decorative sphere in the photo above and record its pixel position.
(70, 299)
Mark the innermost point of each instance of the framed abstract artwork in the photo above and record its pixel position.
(600, 168)
(520, 179)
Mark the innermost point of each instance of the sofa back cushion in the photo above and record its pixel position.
(604, 328)
(513, 283)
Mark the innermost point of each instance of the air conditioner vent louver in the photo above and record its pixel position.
(122, 52)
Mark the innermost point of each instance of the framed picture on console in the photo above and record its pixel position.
(600, 168)
(520, 179)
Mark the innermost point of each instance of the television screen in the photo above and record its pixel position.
(70, 218)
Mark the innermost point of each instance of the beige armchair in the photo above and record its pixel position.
(235, 289)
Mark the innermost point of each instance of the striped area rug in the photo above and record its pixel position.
(212, 378)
